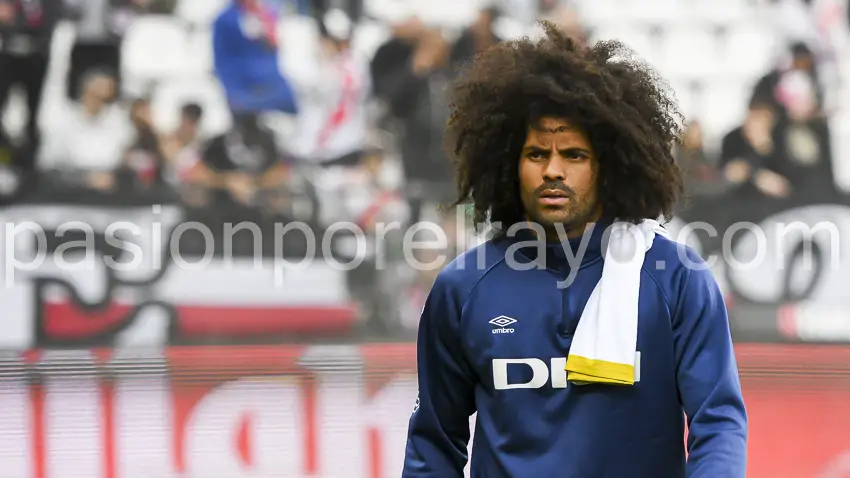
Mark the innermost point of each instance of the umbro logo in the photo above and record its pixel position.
(502, 322)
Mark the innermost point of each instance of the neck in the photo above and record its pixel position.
(573, 231)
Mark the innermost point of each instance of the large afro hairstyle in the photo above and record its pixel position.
(628, 112)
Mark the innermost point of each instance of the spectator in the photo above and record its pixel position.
(26, 33)
(477, 38)
(804, 137)
(410, 73)
(144, 157)
(701, 176)
(183, 148)
(245, 46)
(353, 9)
(333, 95)
(240, 164)
(101, 25)
(92, 137)
(751, 161)
(772, 85)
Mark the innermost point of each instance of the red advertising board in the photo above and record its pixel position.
(232, 412)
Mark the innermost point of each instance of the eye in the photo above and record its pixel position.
(576, 154)
(535, 155)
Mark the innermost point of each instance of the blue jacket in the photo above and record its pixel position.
(558, 430)
(248, 68)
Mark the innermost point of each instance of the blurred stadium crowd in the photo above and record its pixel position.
(282, 110)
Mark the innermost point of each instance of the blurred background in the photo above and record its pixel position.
(199, 125)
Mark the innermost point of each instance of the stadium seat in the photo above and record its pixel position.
(723, 106)
(169, 96)
(451, 14)
(686, 96)
(155, 47)
(199, 52)
(390, 11)
(718, 12)
(749, 50)
(199, 12)
(597, 12)
(689, 52)
(651, 11)
(368, 37)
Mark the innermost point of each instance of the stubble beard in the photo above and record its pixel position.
(560, 222)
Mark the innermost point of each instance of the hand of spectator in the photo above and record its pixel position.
(430, 53)
(7, 12)
(737, 171)
(241, 187)
(772, 184)
(102, 181)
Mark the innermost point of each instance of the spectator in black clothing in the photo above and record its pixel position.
(477, 38)
(751, 161)
(803, 135)
(772, 86)
(410, 75)
(26, 34)
(144, 158)
(241, 164)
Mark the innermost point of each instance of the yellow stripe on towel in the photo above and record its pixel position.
(582, 371)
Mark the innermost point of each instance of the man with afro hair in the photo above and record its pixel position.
(563, 149)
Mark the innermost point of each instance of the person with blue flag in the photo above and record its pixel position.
(245, 52)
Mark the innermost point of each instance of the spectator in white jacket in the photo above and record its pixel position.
(91, 137)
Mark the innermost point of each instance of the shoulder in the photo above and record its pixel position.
(460, 277)
(673, 266)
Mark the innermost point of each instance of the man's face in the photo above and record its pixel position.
(98, 92)
(557, 174)
(188, 128)
(761, 119)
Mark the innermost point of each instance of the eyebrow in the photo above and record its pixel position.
(538, 149)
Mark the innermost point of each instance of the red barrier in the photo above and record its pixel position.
(255, 412)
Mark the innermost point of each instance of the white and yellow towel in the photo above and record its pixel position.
(604, 345)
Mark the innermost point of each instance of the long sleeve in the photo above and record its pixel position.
(393, 80)
(707, 374)
(439, 427)
(250, 79)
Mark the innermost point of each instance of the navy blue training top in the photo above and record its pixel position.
(494, 339)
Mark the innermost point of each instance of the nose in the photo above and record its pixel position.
(554, 170)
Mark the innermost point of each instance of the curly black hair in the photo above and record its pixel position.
(629, 113)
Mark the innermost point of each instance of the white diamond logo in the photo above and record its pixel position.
(503, 321)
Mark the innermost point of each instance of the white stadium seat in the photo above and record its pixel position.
(451, 14)
(386, 10)
(718, 12)
(171, 95)
(686, 97)
(689, 53)
(368, 37)
(723, 106)
(651, 11)
(199, 52)
(750, 50)
(199, 12)
(595, 12)
(154, 47)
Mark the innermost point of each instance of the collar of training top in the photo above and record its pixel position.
(556, 253)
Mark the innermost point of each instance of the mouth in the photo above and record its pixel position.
(554, 197)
